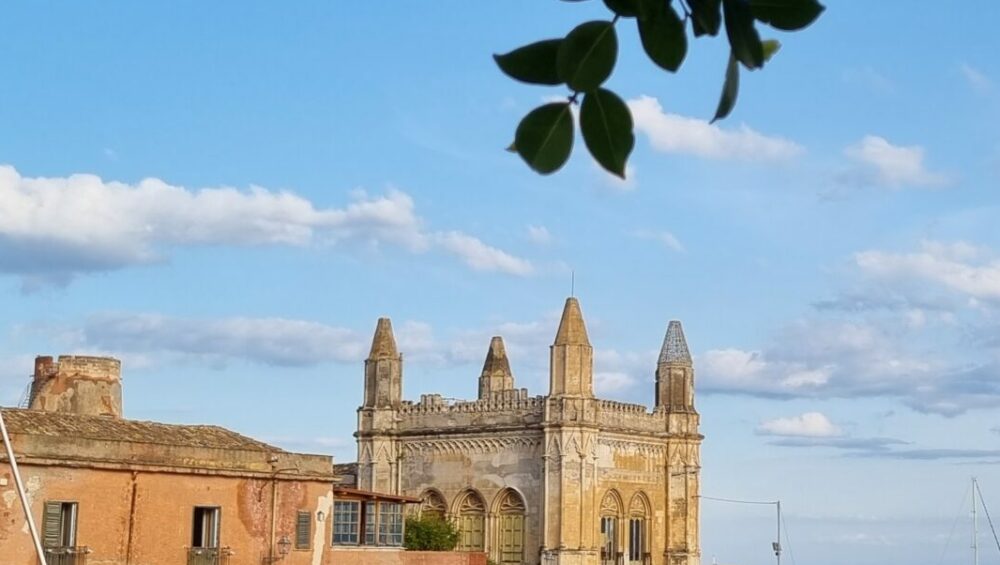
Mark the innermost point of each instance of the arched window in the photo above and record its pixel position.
(510, 512)
(433, 504)
(638, 518)
(471, 515)
(611, 512)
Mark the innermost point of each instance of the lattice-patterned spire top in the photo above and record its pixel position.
(675, 347)
(383, 344)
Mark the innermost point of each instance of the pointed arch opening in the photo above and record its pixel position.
(612, 510)
(510, 510)
(639, 511)
(432, 504)
(470, 515)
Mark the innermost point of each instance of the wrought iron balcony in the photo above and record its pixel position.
(67, 555)
(209, 556)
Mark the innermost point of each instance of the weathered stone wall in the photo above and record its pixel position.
(397, 557)
(507, 409)
(78, 385)
(486, 464)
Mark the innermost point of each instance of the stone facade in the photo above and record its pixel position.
(561, 479)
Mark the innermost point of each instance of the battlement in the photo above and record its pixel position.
(626, 416)
(500, 408)
(80, 367)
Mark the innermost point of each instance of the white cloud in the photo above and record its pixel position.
(539, 235)
(869, 78)
(809, 424)
(272, 341)
(482, 257)
(959, 267)
(673, 133)
(615, 182)
(55, 228)
(665, 238)
(976, 78)
(612, 383)
(879, 161)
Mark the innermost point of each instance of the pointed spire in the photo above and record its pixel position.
(383, 344)
(572, 330)
(675, 347)
(496, 359)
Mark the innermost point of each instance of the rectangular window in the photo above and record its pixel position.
(390, 524)
(636, 539)
(303, 530)
(59, 524)
(371, 519)
(205, 527)
(346, 522)
(511, 538)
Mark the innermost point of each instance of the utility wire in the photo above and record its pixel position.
(771, 502)
(953, 524)
(788, 542)
(988, 519)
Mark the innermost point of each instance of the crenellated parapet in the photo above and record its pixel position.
(631, 417)
(509, 408)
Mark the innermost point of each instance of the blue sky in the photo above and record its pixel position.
(227, 196)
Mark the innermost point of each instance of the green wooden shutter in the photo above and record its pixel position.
(52, 524)
(303, 530)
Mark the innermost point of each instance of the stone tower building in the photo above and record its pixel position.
(561, 479)
(90, 386)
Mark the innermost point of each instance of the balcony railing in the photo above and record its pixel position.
(66, 555)
(208, 556)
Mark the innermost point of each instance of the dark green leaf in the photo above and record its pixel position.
(587, 55)
(544, 137)
(706, 16)
(534, 63)
(606, 124)
(663, 36)
(771, 46)
(624, 8)
(512, 147)
(789, 15)
(743, 37)
(730, 88)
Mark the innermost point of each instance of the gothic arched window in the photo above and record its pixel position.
(611, 513)
(638, 518)
(510, 512)
(471, 519)
(433, 504)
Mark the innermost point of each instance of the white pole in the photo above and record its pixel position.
(975, 526)
(777, 546)
(20, 492)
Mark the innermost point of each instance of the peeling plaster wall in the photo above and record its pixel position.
(157, 529)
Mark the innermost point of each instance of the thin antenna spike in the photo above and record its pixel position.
(572, 283)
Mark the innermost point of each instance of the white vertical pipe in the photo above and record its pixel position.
(20, 492)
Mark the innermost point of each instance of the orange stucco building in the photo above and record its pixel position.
(110, 491)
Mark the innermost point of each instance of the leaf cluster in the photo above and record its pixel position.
(430, 533)
(585, 58)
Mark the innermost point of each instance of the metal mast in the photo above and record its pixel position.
(975, 525)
